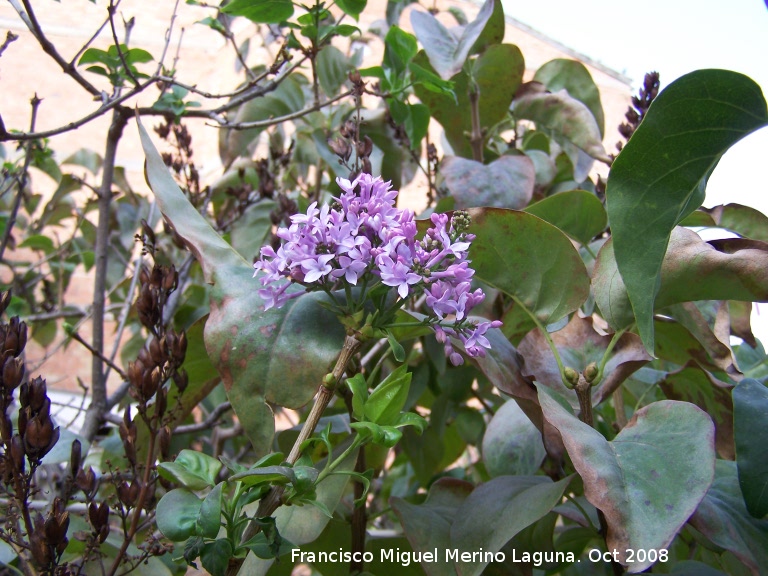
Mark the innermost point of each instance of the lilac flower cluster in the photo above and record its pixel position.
(364, 239)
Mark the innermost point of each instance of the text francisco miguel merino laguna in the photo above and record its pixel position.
(406, 557)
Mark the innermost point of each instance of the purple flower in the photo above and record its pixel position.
(365, 236)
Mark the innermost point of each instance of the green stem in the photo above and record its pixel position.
(274, 498)
(601, 367)
(548, 338)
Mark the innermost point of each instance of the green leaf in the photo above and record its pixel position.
(750, 405)
(260, 11)
(498, 510)
(257, 352)
(507, 182)
(359, 388)
(578, 213)
(649, 479)
(724, 520)
(565, 116)
(39, 242)
(399, 49)
(332, 69)
(86, 158)
(529, 259)
(388, 398)
(303, 524)
(733, 269)
(695, 385)
(352, 7)
(95, 55)
(191, 469)
(177, 514)
(446, 52)
(743, 220)
(493, 31)
(209, 517)
(661, 174)
(428, 526)
(512, 444)
(215, 556)
(498, 73)
(253, 230)
(398, 352)
(573, 76)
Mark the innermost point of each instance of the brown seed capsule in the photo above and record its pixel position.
(13, 372)
(170, 279)
(75, 455)
(181, 379)
(17, 453)
(157, 351)
(86, 480)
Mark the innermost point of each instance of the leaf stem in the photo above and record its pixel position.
(325, 392)
(548, 338)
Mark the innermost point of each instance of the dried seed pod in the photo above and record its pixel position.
(181, 379)
(17, 453)
(75, 456)
(86, 481)
(13, 373)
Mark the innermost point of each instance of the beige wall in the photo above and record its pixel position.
(205, 61)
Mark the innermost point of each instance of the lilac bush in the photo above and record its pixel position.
(364, 241)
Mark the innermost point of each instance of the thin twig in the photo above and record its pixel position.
(9, 37)
(21, 181)
(209, 422)
(77, 338)
(287, 117)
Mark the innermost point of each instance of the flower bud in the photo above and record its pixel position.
(571, 377)
(590, 372)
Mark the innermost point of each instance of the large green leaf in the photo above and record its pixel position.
(260, 11)
(498, 72)
(743, 220)
(529, 259)
(750, 404)
(695, 385)
(649, 479)
(578, 213)
(447, 52)
(276, 356)
(512, 444)
(498, 510)
(332, 69)
(573, 76)
(734, 269)
(428, 526)
(565, 117)
(507, 182)
(724, 520)
(661, 174)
